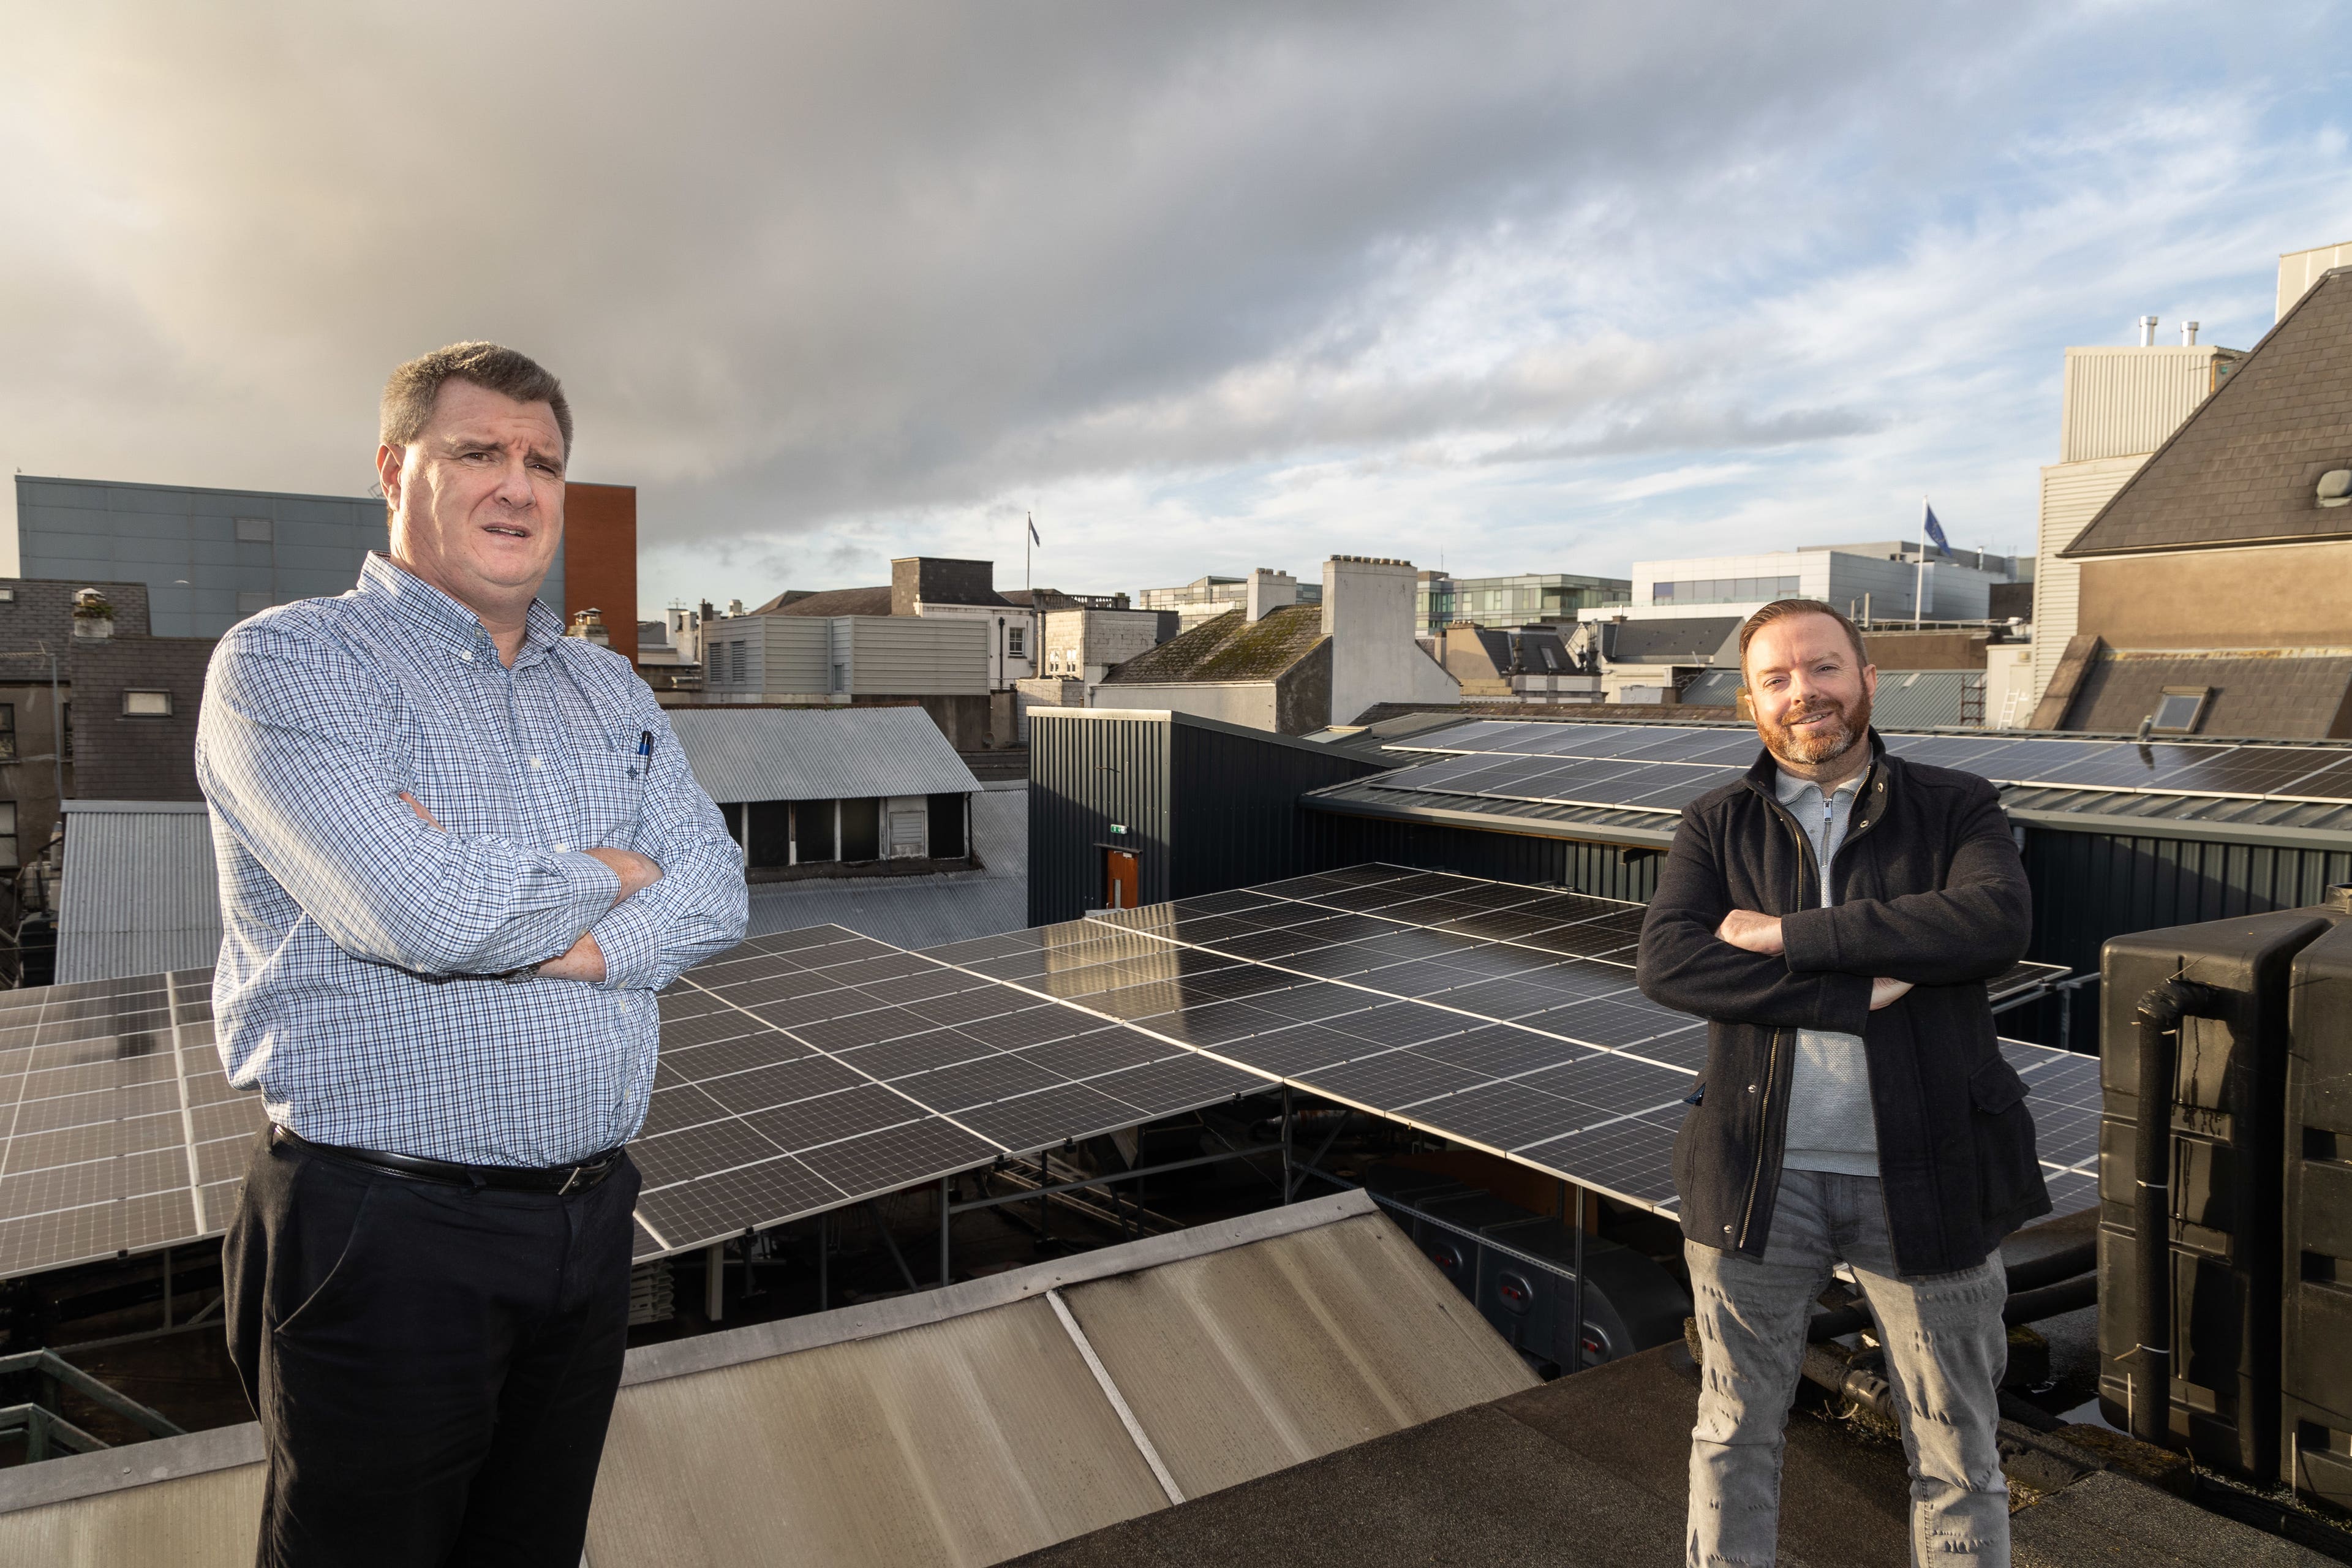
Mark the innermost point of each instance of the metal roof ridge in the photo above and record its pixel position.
(759, 1341)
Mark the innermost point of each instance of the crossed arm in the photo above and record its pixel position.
(1828, 968)
(291, 751)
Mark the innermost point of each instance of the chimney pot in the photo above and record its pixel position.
(2148, 331)
(2187, 335)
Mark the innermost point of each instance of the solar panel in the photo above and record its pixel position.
(118, 1132)
(1604, 765)
(808, 1069)
(1559, 1063)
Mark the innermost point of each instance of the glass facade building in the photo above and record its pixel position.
(1518, 601)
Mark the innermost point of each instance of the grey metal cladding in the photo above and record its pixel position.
(142, 896)
(818, 753)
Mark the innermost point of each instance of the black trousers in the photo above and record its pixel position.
(433, 1366)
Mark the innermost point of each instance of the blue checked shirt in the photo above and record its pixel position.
(354, 988)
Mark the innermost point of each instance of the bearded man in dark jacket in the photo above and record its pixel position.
(1834, 916)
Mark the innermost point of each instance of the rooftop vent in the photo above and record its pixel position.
(2148, 331)
(2187, 335)
(2335, 487)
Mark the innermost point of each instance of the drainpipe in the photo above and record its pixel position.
(2159, 1026)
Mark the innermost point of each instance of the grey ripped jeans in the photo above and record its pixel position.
(1946, 1350)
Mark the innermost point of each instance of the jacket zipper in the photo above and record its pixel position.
(1773, 1055)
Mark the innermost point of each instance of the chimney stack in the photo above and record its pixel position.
(2148, 331)
(1270, 590)
(2187, 335)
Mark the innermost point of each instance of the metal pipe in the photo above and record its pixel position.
(2038, 1288)
(2158, 1024)
(946, 1274)
(2052, 1301)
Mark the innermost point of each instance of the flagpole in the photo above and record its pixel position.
(1919, 573)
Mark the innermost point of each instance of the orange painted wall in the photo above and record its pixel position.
(599, 559)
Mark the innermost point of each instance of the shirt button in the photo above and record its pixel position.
(534, 762)
(467, 656)
(562, 849)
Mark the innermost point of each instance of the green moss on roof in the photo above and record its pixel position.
(1230, 647)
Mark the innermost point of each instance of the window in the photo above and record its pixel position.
(1015, 641)
(735, 663)
(147, 704)
(253, 531)
(2180, 709)
(7, 733)
(252, 603)
(7, 834)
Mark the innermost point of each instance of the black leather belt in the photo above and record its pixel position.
(560, 1180)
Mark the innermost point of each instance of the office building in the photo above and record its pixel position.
(208, 558)
(1205, 598)
(1881, 580)
(1439, 600)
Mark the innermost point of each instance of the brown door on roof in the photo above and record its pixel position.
(1122, 880)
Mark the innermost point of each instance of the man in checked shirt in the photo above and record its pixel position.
(459, 852)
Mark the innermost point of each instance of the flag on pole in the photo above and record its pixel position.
(1041, 543)
(1936, 531)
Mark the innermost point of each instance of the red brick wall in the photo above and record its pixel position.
(599, 559)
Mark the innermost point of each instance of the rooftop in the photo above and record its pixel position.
(1230, 647)
(2244, 469)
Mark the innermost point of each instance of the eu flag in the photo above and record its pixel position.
(1936, 533)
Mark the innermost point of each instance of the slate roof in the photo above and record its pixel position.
(2243, 468)
(1229, 647)
(2259, 695)
(834, 601)
(1693, 639)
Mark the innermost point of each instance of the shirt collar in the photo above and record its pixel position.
(423, 607)
(1791, 788)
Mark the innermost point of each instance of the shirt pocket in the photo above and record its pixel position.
(612, 771)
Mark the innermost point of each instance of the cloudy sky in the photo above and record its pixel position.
(1205, 287)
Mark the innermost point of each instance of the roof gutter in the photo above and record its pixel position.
(1492, 822)
(2273, 837)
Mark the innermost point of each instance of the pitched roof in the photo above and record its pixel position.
(834, 601)
(2244, 468)
(1690, 639)
(1229, 646)
(818, 753)
(2274, 697)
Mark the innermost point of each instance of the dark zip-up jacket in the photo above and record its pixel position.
(1929, 890)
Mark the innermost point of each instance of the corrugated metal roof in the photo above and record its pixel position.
(139, 894)
(1926, 699)
(959, 1425)
(818, 753)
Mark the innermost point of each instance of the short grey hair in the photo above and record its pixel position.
(414, 388)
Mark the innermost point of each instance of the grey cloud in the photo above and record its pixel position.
(805, 265)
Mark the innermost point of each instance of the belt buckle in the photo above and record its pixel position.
(581, 1178)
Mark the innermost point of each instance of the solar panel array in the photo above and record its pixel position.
(1491, 1014)
(807, 1070)
(118, 1133)
(1663, 768)
(813, 1068)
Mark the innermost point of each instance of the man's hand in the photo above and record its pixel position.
(1885, 992)
(1755, 932)
(582, 960)
(636, 873)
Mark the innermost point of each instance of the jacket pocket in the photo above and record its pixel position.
(2009, 1175)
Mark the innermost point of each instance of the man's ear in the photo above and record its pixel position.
(1870, 680)
(388, 459)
